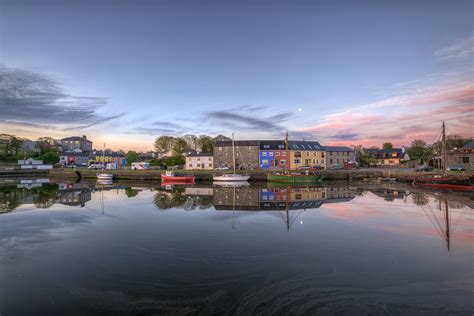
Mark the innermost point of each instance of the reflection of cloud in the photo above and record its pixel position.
(33, 99)
(21, 232)
(460, 49)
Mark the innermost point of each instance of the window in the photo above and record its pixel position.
(322, 154)
(322, 161)
(270, 154)
(266, 146)
(264, 153)
(330, 161)
(464, 159)
(265, 162)
(220, 148)
(297, 161)
(277, 153)
(307, 154)
(210, 165)
(283, 162)
(283, 154)
(298, 154)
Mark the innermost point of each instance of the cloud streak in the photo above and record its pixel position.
(32, 99)
(460, 49)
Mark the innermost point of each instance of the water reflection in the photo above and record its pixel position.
(336, 248)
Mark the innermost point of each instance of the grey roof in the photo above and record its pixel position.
(469, 145)
(196, 154)
(225, 143)
(75, 138)
(304, 145)
(272, 145)
(337, 148)
(382, 153)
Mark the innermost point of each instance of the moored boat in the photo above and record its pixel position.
(103, 176)
(171, 177)
(232, 177)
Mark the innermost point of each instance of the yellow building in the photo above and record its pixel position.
(306, 154)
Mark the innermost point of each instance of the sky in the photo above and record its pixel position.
(338, 72)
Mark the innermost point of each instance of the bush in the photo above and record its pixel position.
(50, 157)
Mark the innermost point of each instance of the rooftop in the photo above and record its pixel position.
(304, 145)
(224, 143)
(337, 148)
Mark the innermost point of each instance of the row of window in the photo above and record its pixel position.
(270, 153)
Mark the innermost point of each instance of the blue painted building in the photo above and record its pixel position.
(273, 155)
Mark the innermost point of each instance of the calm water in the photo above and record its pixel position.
(345, 249)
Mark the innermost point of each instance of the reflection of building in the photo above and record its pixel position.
(389, 194)
(278, 199)
(75, 197)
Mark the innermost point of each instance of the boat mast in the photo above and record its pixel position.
(444, 153)
(287, 153)
(233, 152)
(103, 158)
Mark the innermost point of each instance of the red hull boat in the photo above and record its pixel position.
(177, 179)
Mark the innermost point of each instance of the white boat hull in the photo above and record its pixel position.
(231, 184)
(231, 177)
(105, 176)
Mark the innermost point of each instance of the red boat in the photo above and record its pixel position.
(170, 177)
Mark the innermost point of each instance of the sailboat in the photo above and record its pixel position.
(445, 181)
(103, 175)
(231, 176)
(293, 177)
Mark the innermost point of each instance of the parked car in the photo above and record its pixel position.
(95, 166)
(456, 168)
(424, 169)
(351, 165)
(337, 167)
(222, 168)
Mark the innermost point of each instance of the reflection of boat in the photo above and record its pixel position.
(171, 177)
(231, 177)
(231, 184)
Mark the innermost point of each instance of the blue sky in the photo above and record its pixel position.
(151, 68)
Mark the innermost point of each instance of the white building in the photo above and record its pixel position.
(199, 161)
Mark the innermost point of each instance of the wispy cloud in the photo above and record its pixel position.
(459, 49)
(417, 111)
(34, 99)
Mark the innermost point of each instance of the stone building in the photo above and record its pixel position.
(463, 156)
(76, 144)
(198, 160)
(338, 156)
(246, 154)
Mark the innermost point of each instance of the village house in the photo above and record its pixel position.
(76, 144)
(199, 160)
(108, 157)
(246, 154)
(273, 155)
(74, 159)
(388, 157)
(463, 156)
(306, 154)
(338, 156)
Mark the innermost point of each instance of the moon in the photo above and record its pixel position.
(300, 109)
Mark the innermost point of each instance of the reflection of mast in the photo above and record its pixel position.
(446, 210)
(233, 210)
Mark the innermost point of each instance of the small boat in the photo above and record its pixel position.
(103, 176)
(169, 176)
(231, 177)
(294, 178)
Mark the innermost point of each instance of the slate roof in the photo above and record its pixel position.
(304, 145)
(469, 145)
(337, 148)
(272, 145)
(225, 143)
(385, 153)
(196, 154)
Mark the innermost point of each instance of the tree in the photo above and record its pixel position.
(191, 141)
(50, 157)
(387, 145)
(164, 143)
(205, 144)
(45, 144)
(132, 156)
(419, 149)
(179, 146)
(175, 161)
(9, 144)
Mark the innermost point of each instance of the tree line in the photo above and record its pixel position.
(11, 149)
(177, 145)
